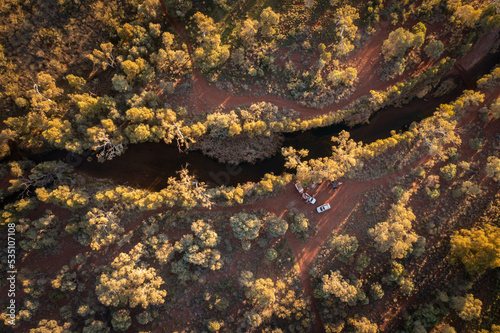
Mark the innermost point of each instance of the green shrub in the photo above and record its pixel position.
(476, 143)
(271, 254)
(449, 171)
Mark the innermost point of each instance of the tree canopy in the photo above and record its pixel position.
(478, 249)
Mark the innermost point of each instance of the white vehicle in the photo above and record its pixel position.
(321, 209)
(308, 198)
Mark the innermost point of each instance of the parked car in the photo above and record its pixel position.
(335, 184)
(321, 209)
(308, 198)
(299, 188)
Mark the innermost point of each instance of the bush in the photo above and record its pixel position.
(245, 226)
(121, 320)
(449, 171)
(434, 49)
(468, 307)
(344, 245)
(453, 153)
(419, 172)
(376, 291)
(253, 319)
(271, 254)
(433, 194)
(214, 325)
(300, 223)
(493, 168)
(476, 143)
(275, 226)
(398, 192)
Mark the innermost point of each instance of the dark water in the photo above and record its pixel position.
(149, 165)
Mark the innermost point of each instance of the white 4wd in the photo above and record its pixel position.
(321, 209)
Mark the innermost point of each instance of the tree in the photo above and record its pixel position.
(246, 279)
(376, 291)
(221, 125)
(469, 188)
(121, 320)
(144, 317)
(50, 326)
(96, 326)
(395, 234)
(106, 149)
(139, 114)
(343, 77)
(127, 281)
(103, 57)
(438, 130)
(187, 192)
(197, 248)
(398, 42)
(248, 31)
(245, 226)
(345, 29)
(46, 87)
(262, 292)
(76, 82)
(268, 20)
(214, 325)
(344, 245)
(346, 152)
(345, 155)
(275, 226)
(210, 53)
(178, 7)
(43, 174)
(434, 49)
(120, 83)
(271, 254)
(364, 325)
(40, 234)
(495, 108)
(493, 168)
(467, 15)
(300, 223)
(58, 132)
(253, 319)
(334, 284)
(478, 249)
(449, 171)
(97, 228)
(136, 70)
(71, 199)
(468, 307)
